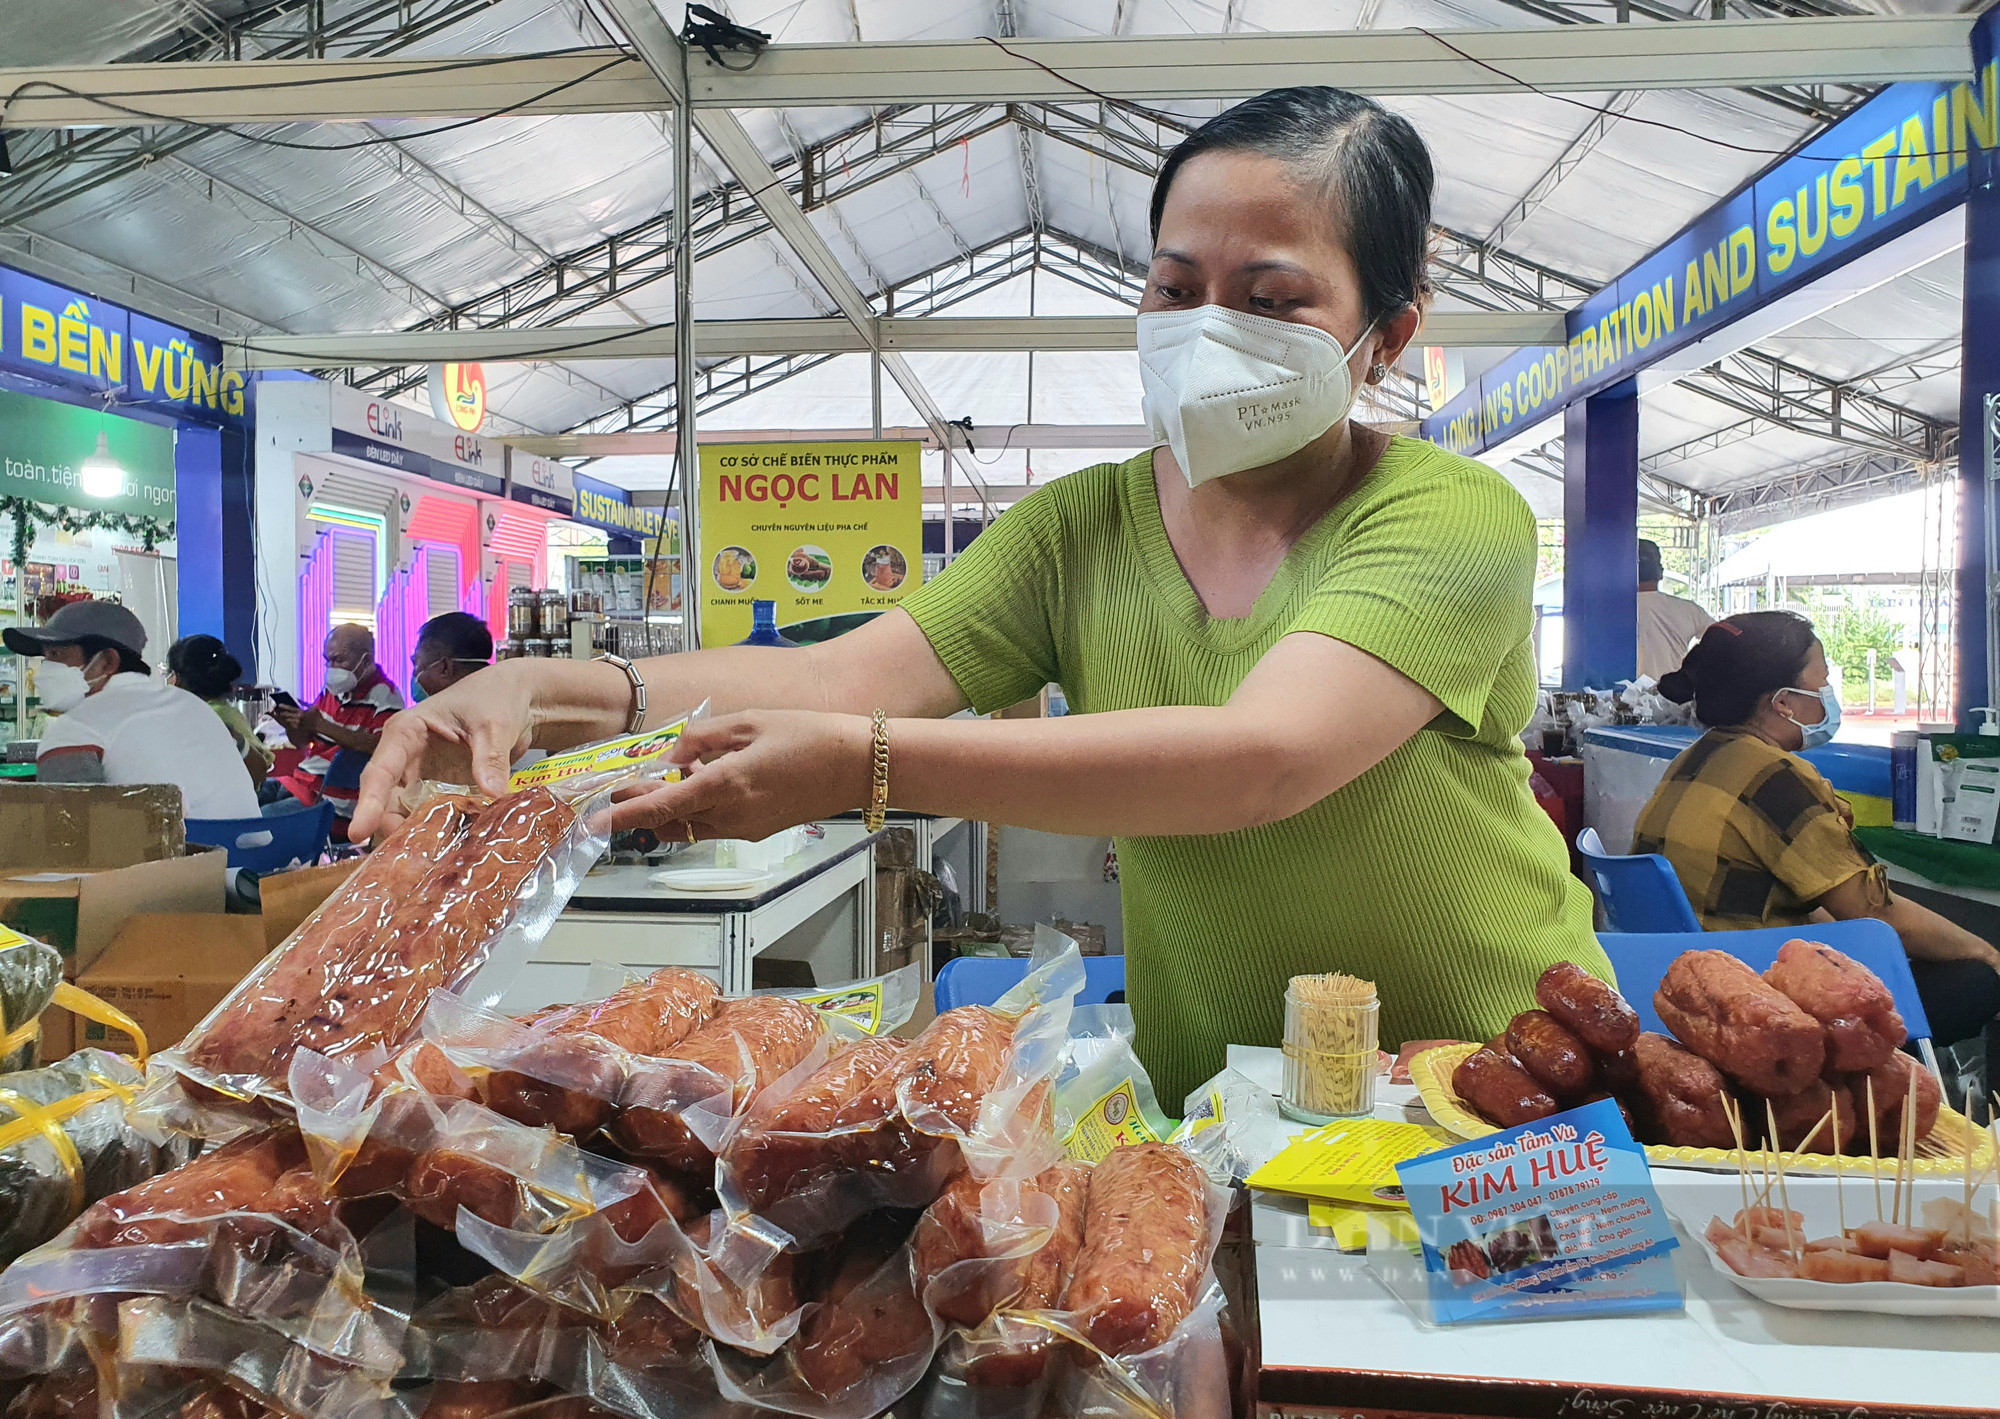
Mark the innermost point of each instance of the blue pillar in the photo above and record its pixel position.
(217, 568)
(1979, 377)
(239, 548)
(198, 530)
(1601, 538)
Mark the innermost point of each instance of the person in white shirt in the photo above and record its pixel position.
(1668, 625)
(113, 722)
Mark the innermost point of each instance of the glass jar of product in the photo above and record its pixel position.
(523, 613)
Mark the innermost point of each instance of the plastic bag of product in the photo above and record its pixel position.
(1249, 1131)
(171, 1348)
(1134, 1324)
(736, 1284)
(883, 1297)
(246, 1227)
(29, 974)
(972, 1091)
(65, 1142)
(1104, 1097)
(865, 1341)
(667, 1049)
(455, 899)
(436, 1155)
(495, 1345)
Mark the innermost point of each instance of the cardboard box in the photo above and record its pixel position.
(88, 827)
(168, 970)
(290, 897)
(79, 913)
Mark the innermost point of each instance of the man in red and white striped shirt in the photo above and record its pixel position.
(340, 731)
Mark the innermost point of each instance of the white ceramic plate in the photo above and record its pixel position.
(1815, 1199)
(709, 879)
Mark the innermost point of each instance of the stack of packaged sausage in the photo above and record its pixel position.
(660, 1202)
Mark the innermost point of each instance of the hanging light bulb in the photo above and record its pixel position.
(99, 475)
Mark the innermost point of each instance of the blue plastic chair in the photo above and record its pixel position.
(1642, 958)
(981, 980)
(1640, 892)
(294, 837)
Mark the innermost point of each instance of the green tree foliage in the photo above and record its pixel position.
(1849, 633)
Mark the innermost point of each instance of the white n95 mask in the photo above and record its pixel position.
(1228, 391)
(341, 680)
(61, 688)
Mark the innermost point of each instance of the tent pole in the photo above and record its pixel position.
(687, 453)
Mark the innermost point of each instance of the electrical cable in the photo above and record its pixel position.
(1159, 116)
(266, 141)
(1603, 112)
(411, 69)
(548, 352)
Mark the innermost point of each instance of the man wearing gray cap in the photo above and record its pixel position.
(113, 722)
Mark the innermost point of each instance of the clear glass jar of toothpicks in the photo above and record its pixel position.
(1330, 1052)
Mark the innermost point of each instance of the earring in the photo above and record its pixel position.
(1378, 373)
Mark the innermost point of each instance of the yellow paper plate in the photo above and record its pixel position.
(1940, 1155)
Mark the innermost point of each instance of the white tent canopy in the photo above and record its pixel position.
(545, 221)
(1886, 539)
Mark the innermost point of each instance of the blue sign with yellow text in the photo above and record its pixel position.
(612, 508)
(61, 337)
(1896, 162)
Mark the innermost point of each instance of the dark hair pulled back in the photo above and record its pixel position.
(1740, 660)
(203, 666)
(1373, 167)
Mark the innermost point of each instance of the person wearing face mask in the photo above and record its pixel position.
(1759, 838)
(340, 731)
(203, 667)
(449, 648)
(1296, 650)
(111, 721)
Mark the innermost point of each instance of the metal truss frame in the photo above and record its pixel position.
(1856, 476)
(1783, 395)
(1662, 496)
(1824, 102)
(582, 281)
(55, 166)
(721, 383)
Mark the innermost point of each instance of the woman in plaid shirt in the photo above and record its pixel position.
(1759, 838)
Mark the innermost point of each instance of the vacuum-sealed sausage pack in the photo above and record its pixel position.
(456, 898)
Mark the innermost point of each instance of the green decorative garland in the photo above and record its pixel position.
(28, 515)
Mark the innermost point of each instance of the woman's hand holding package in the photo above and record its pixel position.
(752, 775)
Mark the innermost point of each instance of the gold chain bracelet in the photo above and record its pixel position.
(878, 796)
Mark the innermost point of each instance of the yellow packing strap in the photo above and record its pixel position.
(21, 1034)
(47, 1120)
(82, 1002)
(77, 1002)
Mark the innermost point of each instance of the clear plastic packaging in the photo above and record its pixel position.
(665, 1062)
(1104, 1097)
(455, 900)
(65, 1143)
(245, 1227)
(972, 1092)
(30, 972)
(1140, 1334)
(437, 1155)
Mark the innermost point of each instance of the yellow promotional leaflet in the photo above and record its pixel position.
(1351, 1161)
(821, 529)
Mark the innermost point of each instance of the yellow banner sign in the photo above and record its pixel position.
(822, 529)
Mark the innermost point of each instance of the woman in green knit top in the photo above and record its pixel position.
(1296, 650)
